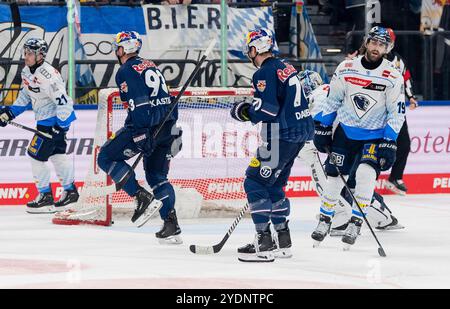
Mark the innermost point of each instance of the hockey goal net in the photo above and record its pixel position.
(207, 174)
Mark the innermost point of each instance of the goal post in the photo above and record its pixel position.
(207, 174)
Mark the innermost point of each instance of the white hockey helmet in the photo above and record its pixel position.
(130, 41)
(261, 39)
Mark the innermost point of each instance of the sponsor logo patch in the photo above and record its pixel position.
(265, 172)
(338, 159)
(286, 72)
(370, 153)
(254, 163)
(376, 87)
(143, 65)
(35, 144)
(128, 153)
(358, 81)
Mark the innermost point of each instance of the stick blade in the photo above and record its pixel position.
(201, 249)
(381, 252)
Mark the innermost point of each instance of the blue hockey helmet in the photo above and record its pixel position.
(380, 34)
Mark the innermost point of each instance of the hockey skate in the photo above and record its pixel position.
(397, 186)
(262, 250)
(352, 232)
(68, 197)
(170, 231)
(393, 225)
(43, 204)
(338, 231)
(282, 239)
(146, 206)
(322, 229)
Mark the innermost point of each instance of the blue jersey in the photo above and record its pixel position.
(279, 99)
(144, 88)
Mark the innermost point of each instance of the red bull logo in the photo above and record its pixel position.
(252, 35)
(121, 36)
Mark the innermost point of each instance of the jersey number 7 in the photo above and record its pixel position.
(294, 81)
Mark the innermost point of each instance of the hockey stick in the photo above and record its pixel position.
(97, 192)
(380, 247)
(20, 126)
(216, 248)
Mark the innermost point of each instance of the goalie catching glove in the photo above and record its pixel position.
(239, 111)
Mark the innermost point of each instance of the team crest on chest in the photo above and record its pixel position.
(362, 103)
(261, 85)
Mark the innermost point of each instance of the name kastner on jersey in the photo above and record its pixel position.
(46, 92)
(369, 104)
(143, 86)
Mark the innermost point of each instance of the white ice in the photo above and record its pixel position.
(34, 253)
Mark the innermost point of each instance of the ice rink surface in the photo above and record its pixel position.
(34, 253)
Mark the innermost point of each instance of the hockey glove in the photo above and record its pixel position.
(239, 111)
(143, 141)
(5, 116)
(386, 154)
(58, 133)
(322, 137)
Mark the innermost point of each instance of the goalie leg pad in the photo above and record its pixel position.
(41, 175)
(310, 155)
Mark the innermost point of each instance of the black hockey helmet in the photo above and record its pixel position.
(38, 46)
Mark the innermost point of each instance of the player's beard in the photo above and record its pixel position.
(373, 55)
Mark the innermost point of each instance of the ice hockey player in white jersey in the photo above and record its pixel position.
(366, 97)
(378, 213)
(43, 88)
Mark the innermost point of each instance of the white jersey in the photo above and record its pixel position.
(46, 92)
(317, 98)
(368, 104)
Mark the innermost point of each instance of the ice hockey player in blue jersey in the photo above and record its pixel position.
(44, 89)
(366, 97)
(282, 109)
(144, 89)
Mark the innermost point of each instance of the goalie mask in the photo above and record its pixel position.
(310, 81)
